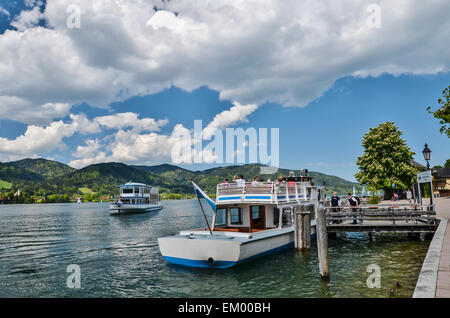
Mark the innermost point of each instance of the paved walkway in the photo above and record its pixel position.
(443, 283)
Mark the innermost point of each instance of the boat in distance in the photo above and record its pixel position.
(249, 220)
(136, 198)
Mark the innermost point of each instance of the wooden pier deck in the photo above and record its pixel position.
(403, 218)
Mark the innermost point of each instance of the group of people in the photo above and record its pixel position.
(336, 203)
(241, 182)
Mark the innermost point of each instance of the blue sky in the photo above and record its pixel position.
(332, 102)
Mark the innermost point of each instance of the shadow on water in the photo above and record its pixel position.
(119, 257)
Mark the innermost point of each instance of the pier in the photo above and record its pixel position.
(397, 218)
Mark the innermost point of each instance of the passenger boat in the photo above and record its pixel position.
(136, 198)
(249, 220)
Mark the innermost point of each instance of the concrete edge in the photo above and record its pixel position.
(427, 282)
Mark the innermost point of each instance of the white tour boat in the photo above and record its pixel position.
(250, 220)
(136, 198)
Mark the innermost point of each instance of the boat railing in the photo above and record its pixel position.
(262, 191)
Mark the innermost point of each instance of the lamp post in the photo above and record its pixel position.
(427, 155)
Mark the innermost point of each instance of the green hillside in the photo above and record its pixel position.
(102, 179)
(44, 167)
(12, 173)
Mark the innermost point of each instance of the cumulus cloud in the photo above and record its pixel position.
(237, 113)
(251, 51)
(27, 19)
(39, 140)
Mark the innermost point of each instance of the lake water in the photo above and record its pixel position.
(119, 257)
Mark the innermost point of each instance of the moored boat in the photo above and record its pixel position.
(136, 198)
(249, 220)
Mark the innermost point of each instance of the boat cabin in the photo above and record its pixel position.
(251, 218)
(257, 206)
(138, 193)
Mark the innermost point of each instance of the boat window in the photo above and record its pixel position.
(255, 212)
(287, 218)
(236, 216)
(258, 217)
(127, 190)
(221, 217)
(276, 216)
(136, 190)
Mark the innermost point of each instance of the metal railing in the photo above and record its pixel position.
(394, 213)
(269, 191)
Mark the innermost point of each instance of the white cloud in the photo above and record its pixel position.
(36, 140)
(39, 140)
(124, 120)
(27, 19)
(4, 11)
(237, 113)
(251, 51)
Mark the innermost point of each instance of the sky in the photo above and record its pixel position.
(123, 80)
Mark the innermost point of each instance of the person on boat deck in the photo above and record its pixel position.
(353, 205)
(235, 178)
(279, 180)
(335, 202)
(240, 181)
(225, 183)
(255, 182)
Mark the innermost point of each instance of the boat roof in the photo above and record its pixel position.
(135, 184)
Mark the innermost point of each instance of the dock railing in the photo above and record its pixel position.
(395, 213)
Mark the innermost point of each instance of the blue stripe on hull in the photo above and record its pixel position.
(224, 264)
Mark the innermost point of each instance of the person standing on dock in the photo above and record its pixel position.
(335, 202)
(353, 205)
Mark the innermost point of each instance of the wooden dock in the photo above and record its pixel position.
(382, 218)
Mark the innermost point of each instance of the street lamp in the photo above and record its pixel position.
(427, 155)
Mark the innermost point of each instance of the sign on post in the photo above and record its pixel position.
(424, 177)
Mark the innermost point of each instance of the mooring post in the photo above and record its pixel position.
(302, 230)
(322, 243)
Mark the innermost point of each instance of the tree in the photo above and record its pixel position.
(447, 164)
(386, 160)
(443, 113)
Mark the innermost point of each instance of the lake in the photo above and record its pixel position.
(119, 257)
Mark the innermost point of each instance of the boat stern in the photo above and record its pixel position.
(200, 251)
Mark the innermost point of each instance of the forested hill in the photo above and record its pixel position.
(40, 177)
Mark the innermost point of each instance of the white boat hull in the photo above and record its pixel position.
(133, 208)
(223, 250)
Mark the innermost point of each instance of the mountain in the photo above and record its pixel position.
(12, 173)
(104, 179)
(44, 177)
(44, 167)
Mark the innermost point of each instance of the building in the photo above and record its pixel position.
(441, 182)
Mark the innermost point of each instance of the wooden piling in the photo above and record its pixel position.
(303, 230)
(322, 243)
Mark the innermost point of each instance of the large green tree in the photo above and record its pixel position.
(386, 160)
(443, 113)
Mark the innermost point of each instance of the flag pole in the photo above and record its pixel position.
(204, 214)
(203, 210)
